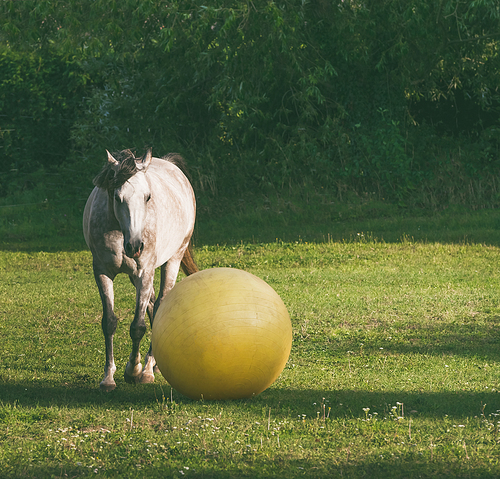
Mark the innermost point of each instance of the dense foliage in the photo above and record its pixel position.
(386, 96)
(40, 97)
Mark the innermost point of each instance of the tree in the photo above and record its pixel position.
(274, 92)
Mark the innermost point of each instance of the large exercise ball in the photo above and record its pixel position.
(221, 333)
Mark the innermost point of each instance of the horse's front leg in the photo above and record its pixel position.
(144, 290)
(109, 321)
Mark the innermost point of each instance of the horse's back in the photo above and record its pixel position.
(175, 207)
(168, 176)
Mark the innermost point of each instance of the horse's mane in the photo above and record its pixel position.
(110, 179)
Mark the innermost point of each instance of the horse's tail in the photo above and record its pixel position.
(188, 264)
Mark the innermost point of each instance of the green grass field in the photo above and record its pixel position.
(394, 369)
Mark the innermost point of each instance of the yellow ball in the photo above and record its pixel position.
(221, 333)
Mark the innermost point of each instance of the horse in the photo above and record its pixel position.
(140, 216)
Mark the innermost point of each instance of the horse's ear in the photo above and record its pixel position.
(146, 159)
(115, 165)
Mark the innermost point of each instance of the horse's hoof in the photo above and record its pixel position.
(147, 378)
(156, 369)
(133, 373)
(132, 379)
(107, 386)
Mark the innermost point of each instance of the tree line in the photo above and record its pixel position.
(389, 97)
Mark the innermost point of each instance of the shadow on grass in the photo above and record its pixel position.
(409, 465)
(59, 229)
(287, 402)
(463, 339)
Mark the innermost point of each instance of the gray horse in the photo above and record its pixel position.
(139, 216)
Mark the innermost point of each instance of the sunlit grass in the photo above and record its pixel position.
(394, 370)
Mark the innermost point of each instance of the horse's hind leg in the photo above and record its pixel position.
(109, 321)
(169, 273)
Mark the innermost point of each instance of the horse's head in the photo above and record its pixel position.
(130, 201)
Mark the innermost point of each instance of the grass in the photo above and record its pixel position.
(394, 369)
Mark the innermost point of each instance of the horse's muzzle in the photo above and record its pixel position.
(134, 251)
